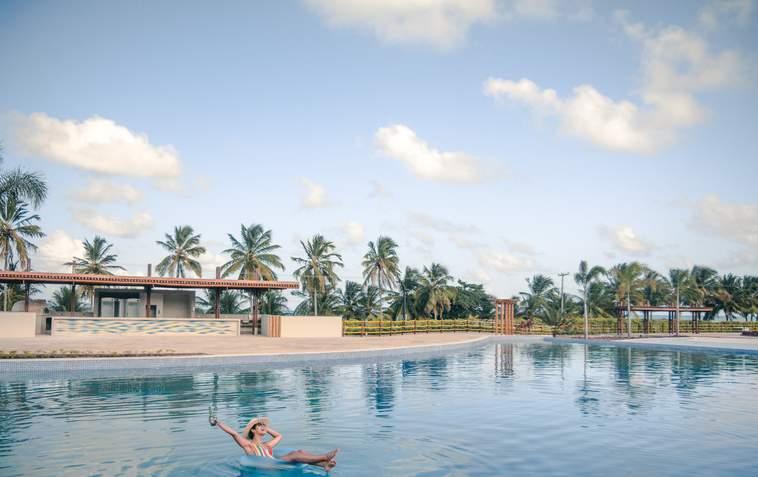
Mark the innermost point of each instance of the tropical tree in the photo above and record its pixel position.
(542, 290)
(252, 257)
(316, 269)
(230, 302)
(97, 260)
(434, 295)
(551, 315)
(273, 302)
(747, 298)
(62, 298)
(704, 281)
(471, 300)
(680, 282)
(725, 296)
(183, 247)
(584, 278)
(403, 301)
(22, 186)
(655, 288)
(17, 230)
(381, 264)
(627, 281)
(350, 300)
(328, 302)
(371, 302)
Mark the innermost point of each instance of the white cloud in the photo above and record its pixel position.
(401, 143)
(209, 261)
(55, 250)
(130, 227)
(733, 221)
(98, 190)
(626, 240)
(314, 195)
(441, 23)
(504, 262)
(714, 12)
(95, 144)
(676, 65)
(462, 236)
(355, 232)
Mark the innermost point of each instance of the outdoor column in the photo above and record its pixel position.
(148, 290)
(72, 304)
(217, 307)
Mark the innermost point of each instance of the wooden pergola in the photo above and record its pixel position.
(504, 313)
(27, 279)
(695, 312)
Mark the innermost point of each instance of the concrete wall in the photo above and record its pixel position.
(17, 324)
(69, 326)
(302, 326)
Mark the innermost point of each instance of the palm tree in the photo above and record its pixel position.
(183, 247)
(552, 316)
(725, 296)
(252, 258)
(541, 291)
(747, 298)
(627, 281)
(17, 227)
(381, 264)
(584, 278)
(22, 185)
(273, 302)
(97, 261)
(350, 300)
(371, 302)
(404, 299)
(681, 282)
(704, 281)
(62, 299)
(435, 296)
(316, 270)
(328, 302)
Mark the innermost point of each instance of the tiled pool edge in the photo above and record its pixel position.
(48, 365)
(637, 343)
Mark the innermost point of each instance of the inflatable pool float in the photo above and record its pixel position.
(279, 466)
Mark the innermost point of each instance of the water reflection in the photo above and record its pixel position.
(504, 360)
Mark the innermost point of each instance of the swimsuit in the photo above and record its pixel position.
(262, 450)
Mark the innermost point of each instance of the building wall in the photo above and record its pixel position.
(18, 324)
(168, 304)
(69, 326)
(302, 326)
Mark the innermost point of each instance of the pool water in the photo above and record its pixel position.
(495, 409)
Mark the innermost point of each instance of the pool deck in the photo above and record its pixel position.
(717, 342)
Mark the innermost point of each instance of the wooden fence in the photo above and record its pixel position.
(574, 327)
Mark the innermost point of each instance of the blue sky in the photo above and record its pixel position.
(501, 139)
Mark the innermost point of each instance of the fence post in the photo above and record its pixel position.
(364, 327)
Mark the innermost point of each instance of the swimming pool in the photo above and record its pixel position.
(496, 409)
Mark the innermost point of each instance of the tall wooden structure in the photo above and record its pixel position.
(504, 314)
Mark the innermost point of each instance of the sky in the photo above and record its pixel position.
(498, 138)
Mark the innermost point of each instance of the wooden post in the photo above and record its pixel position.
(72, 302)
(217, 292)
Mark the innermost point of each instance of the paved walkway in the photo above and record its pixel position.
(703, 341)
(225, 345)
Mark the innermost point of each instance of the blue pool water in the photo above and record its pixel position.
(498, 409)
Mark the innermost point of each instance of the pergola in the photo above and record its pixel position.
(148, 283)
(504, 313)
(647, 314)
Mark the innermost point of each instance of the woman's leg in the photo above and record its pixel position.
(303, 457)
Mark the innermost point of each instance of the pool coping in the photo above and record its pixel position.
(136, 363)
(47, 365)
(639, 343)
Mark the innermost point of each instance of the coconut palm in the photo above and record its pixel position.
(252, 257)
(551, 315)
(183, 247)
(371, 303)
(230, 302)
(62, 298)
(403, 301)
(435, 296)
(655, 288)
(704, 281)
(328, 302)
(542, 290)
(17, 229)
(350, 300)
(725, 296)
(681, 284)
(627, 281)
(747, 298)
(22, 185)
(316, 270)
(97, 260)
(381, 264)
(584, 279)
(273, 302)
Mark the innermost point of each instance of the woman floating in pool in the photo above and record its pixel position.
(251, 441)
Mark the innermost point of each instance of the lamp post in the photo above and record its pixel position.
(562, 275)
